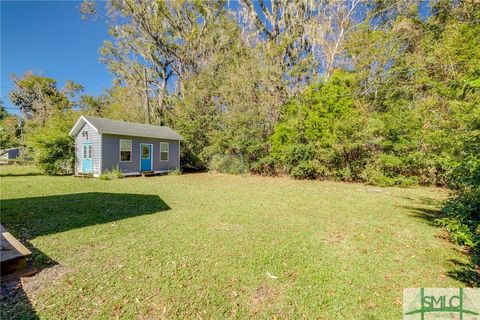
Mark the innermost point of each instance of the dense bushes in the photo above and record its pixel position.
(462, 210)
(53, 148)
(324, 133)
(266, 166)
(225, 163)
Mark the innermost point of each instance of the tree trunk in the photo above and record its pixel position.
(147, 105)
(161, 94)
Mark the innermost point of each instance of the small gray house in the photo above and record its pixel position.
(103, 144)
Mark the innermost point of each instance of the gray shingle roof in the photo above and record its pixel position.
(131, 129)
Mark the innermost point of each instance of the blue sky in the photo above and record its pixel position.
(50, 38)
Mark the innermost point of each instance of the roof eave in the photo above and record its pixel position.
(73, 132)
(78, 125)
(180, 138)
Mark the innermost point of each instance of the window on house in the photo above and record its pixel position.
(87, 151)
(145, 151)
(164, 146)
(125, 150)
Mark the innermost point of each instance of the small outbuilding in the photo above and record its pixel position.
(104, 144)
(11, 154)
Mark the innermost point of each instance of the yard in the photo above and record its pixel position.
(219, 246)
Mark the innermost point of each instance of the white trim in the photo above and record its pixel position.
(151, 155)
(89, 143)
(178, 155)
(120, 150)
(163, 171)
(126, 174)
(75, 130)
(75, 125)
(100, 157)
(168, 151)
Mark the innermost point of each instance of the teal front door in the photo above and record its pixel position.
(145, 157)
(87, 162)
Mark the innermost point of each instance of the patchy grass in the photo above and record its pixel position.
(221, 246)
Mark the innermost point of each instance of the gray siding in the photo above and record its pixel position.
(111, 153)
(94, 138)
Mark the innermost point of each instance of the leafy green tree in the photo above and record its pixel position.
(37, 97)
(49, 116)
(9, 129)
(94, 106)
(3, 111)
(124, 103)
(53, 149)
(314, 133)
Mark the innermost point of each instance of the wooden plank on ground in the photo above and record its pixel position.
(12, 253)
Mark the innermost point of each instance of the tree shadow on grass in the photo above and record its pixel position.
(14, 302)
(28, 218)
(26, 174)
(13, 170)
(467, 273)
(427, 215)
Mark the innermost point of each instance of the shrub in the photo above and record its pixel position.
(403, 181)
(463, 208)
(298, 153)
(53, 148)
(307, 169)
(374, 176)
(266, 166)
(55, 156)
(104, 176)
(176, 172)
(114, 173)
(226, 163)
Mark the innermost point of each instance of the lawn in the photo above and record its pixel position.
(219, 246)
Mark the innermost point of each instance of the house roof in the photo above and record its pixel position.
(103, 125)
(8, 149)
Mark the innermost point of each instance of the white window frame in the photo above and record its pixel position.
(168, 151)
(120, 150)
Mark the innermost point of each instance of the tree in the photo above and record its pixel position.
(53, 149)
(94, 106)
(158, 43)
(9, 129)
(38, 98)
(3, 111)
(123, 103)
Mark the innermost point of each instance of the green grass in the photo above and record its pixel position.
(203, 246)
(18, 170)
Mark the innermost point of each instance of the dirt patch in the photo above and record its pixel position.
(334, 238)
(263, 299)
(33, 285)
(17, 294)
